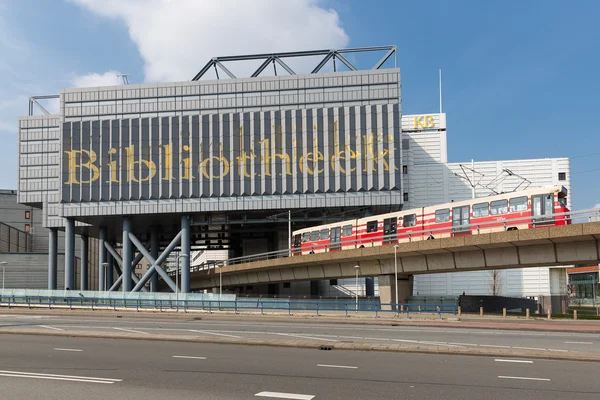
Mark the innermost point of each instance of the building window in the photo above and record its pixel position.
(27, 214)
(405, 196)
(405, 169)
(27, 228)
(286, 285)
(405, 144)
(333, 282)
(562, 176)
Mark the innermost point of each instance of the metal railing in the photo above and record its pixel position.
(417, 235)
(237, 306)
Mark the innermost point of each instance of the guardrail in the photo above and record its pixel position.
(423, 234)
(236, 306)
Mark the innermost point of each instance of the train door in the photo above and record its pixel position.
(389, 230)
(461, 220)
(542, 207)
(297, 242)
(335, 239)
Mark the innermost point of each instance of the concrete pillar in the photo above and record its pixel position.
(127, 255)
(387, 289)
(101, 260)
(154, 250)
(52, 258)
(83, 268)
(185, 249)
(69, 254)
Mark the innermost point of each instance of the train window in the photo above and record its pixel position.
(347, 230)
(371, 226)
(518, 204)
(410, 220)
(314, 236)
(306, 237)
(480, 210)
(442, 215)
(499, 207)
(324, 234)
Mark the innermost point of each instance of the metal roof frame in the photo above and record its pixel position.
(277, 58)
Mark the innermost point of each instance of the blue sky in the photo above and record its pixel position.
(520, 77)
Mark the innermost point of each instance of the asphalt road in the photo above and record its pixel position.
(325, 332)
(57, 368)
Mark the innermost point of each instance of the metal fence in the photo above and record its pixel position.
(237, 306)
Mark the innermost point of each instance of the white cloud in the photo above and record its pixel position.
(177, 37)
(109, 78)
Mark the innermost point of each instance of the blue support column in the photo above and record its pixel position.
(101, 260)
(127, 255)
(52, 258)
(154, 251)
(83, 268)
(185, 249)
(69, 254)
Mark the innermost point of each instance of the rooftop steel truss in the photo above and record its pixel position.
(277, 58)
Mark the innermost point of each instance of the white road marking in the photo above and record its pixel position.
(529, 348)
(131, 331)
(493, 346)
(291, 396)
(406, 341)
(72, 378)
(561, 351)
(50, 327)
(579, 342)
(348, 337)
(191, 357)
(465, 344)
(336, 366)
(514, 361)
(376, 338)
(60, 349)
(305, 337)
(433, 343)
(524, 378)
(216, 334)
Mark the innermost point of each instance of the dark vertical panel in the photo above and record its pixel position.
(246, 177)
(147, 161)
(277, 155)
(205, 156)
(385, 152)
(105, 161)
(117, 159)
(166, 158)
(195, 155)
(373, 146)
(319, 152)
(224, 152)
(96, 146)
(76, 174)
(237, 163)
(215, 164)
(352, 151)
(66, 175)
(156, 151)
(258, 154)
(332, 140)
(297, 153)
(397, 147)
(86, 157)
(267, 154)
(340, 151)
(288, 151)
(135, 172)
(307, 153)
(125, 173)
(174, 133)
(366, 167)
(185, 158)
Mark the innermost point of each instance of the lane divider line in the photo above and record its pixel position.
(514, 361)
(216, 334)
(579, 342)
(524, 378)
(280, 395)
(191, 357)
(61, 349)
(50, 327)
(336, 366)
(305, 337)
(131, 331)
(61, 376)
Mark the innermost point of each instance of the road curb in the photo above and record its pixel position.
(318, 345)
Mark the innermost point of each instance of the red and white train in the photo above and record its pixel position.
(509, 211)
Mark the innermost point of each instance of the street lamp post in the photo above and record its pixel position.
(3, 263)
(396, 273)
(177, 280)
(356, 267)
(105, 265)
